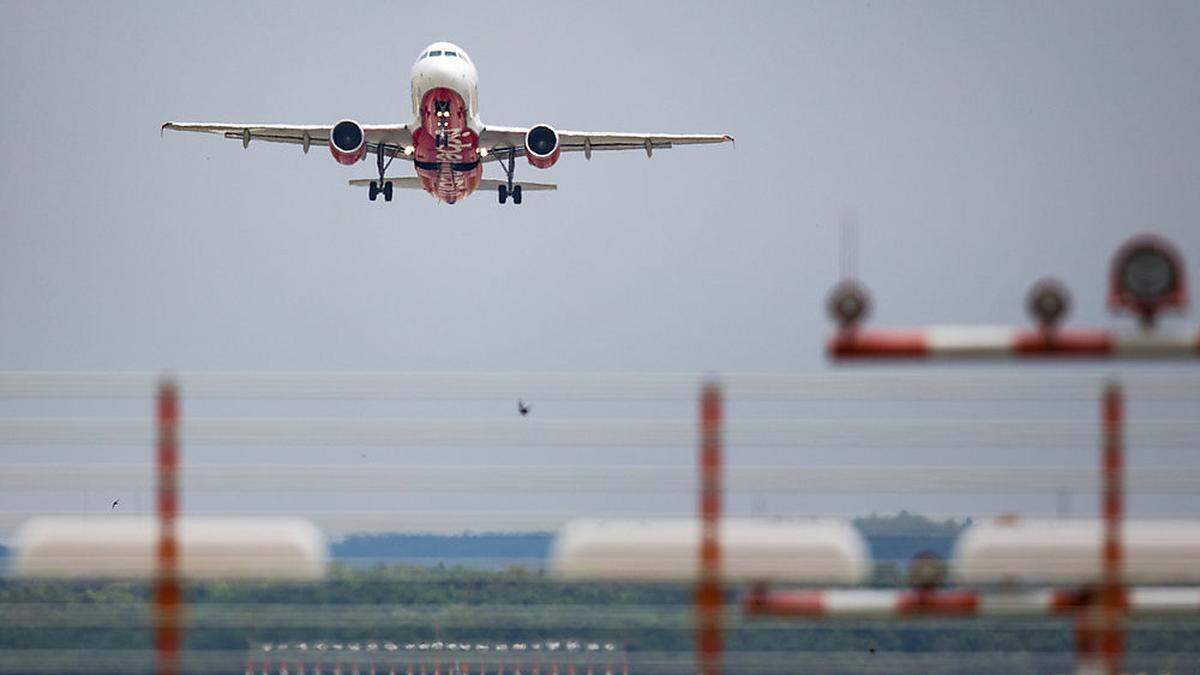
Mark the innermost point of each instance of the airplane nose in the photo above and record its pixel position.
(442, 72)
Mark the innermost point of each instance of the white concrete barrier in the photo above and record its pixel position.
(1058, 551)
(211, 547)
(752, 550)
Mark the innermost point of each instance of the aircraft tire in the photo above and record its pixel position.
(503, 192)
(387, 191)
(516, 194)
(373, 191)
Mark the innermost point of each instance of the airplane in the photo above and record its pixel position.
(446, 142)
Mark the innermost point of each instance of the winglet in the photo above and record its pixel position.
(731, 139)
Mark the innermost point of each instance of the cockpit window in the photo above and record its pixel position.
(451, 53)
(436, 52)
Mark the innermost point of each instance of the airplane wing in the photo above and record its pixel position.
(500, 140)
(414, 183)
(393, 136)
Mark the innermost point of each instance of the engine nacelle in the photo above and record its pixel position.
(541, 146)
(347, 142)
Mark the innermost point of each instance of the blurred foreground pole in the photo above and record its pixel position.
(709, 595)
(1100, 631)
(167, 596)
(1112, 600)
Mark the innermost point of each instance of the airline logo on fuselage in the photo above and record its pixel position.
(452, 184)
(446, 143)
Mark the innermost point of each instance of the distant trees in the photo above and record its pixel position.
(413, 604)
(900, 537)
(465, 545)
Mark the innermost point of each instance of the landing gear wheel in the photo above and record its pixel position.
(387, 191)
(508, 188)
(373, 191)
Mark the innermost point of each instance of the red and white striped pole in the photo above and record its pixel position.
(1112, 590)
(168, 598)
(709, 596)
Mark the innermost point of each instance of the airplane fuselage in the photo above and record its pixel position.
(446, 122)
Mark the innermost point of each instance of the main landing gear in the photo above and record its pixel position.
(381, 187)
(509, 189)
(374, 191)
(504, 194)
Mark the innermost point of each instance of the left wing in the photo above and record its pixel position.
(499, 140)
(393, 136)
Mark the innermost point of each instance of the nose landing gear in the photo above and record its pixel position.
(441, 111)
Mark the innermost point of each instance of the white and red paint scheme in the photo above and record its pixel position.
(446, 141)
(446, 126)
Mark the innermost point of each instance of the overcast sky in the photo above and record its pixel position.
(978, 146)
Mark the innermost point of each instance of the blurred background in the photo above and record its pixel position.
(359, 364)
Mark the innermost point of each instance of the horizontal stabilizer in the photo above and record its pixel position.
(414, 183)
(398, 183)
(489, 184)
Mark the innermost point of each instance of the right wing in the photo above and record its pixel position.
(393, 136)
(501, 140)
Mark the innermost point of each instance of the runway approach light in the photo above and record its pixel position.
(1068, 551)
(1048, 303)
(752, 550)
(212, 547)
(848, 303)
(1147, 277)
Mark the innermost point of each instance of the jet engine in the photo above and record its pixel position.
(541, 146)
(347, 142)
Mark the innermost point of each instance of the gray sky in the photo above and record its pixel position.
(978, 145)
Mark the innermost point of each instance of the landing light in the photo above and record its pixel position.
(483, 152)
(1147, 277)
(409, 150)
(1048, 302)
(848, 303)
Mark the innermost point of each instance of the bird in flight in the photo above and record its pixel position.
(115, 502)
(522, 408)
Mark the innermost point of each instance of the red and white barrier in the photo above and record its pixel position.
(987, 342)
(890, 604)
